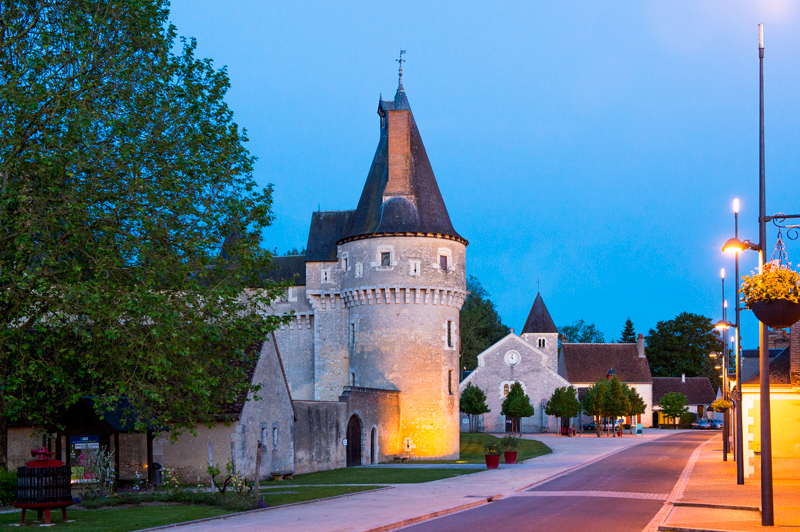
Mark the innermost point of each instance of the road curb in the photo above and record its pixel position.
(225, 516)
(666, 528)
(718, 506)
(415, 520)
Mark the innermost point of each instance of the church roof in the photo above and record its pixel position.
(327, 227)
(420, 209)
(539, 320)
(591, 362)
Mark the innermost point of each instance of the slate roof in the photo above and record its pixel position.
(754, 353)
(698, 390)
(327, 227)
(289, 268)
(591, 362)
(399, 215)
(539, 320)
(779, 369)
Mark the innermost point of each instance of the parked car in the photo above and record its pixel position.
(590, 427)
(715, 424)
(701, 424)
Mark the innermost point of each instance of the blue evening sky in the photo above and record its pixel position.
(596, 146)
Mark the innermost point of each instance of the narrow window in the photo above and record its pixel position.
(386, 258)
(275, 436)
(449, 333)
(505, 390)
(352, 379)
(352, 336)
(443, 262)
(542, 343)
(345, 264)
(450, 381)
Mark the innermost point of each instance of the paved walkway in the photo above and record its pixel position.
(712, 484)
(373, 511)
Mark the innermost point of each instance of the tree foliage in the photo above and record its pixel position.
(628, 335)
(673, 405)
(121, 174)
(610, 400)
(681, 346)
(581, 332)
(517, 405)
(636, 405)
(563, 404)
(473, 403)
(481, 326)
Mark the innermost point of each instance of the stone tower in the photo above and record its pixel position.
(402, 268)
(541, 332)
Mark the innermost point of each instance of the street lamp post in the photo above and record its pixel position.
(739, 416)
(724, 371)
(767, 511)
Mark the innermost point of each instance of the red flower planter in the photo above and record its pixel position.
(778, 314)
(492, 461)
(510, 457)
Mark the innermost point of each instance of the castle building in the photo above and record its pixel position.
(377, 297)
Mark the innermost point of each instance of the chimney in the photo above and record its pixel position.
(399, 131)
(794, 352)
(683, 377)
(512, 330)
(640, 345)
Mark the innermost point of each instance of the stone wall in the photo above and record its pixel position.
(296, 343)
(318, 435)
(20, 442)
(378, 411)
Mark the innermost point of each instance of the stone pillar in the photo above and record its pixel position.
(794, 367)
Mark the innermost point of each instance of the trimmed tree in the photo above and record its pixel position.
(473, 403)
(563, 404)
(636, 405)
(592, 402)
(615, 403)
(517, 405)
(673, 405)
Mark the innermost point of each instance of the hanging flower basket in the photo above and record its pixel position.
(721, 405)
(773, 295)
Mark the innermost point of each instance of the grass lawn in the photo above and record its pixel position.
(129, 519)
(119, 520)
(371, 475)
(472, 449)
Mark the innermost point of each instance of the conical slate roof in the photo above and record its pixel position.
(539, 320)
(420, 209)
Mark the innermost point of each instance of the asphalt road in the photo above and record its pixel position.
(620, 493)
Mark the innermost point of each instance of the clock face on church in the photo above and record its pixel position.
(511, 358)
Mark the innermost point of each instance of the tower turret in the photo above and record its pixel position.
(404, 285)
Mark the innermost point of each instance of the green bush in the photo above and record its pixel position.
(8, 487)
(687, 418)
(509, 443)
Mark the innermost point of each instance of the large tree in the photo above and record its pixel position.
(673, 405)
(582, 333)
(628, 335)
(481, 326)
(121, 174)
(681, 346)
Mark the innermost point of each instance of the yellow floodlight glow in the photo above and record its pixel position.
(722, 273)
(736, 205)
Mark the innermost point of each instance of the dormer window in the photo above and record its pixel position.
(386, 258)
(443, 262)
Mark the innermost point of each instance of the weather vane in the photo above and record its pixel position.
(400, 70)
(538, 284)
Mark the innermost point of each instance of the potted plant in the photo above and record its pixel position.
(492, 454)
(773, 295)
(509, 444)
(721, 405)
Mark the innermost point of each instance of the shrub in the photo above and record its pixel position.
(8, 487)
(229, 501)
(687, 418)
(509, 443)
(491, 449)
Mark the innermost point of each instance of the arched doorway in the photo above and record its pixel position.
(353, 441)
(372, 446)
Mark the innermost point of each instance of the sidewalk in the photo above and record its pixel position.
(713, 483)
(407, 503)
